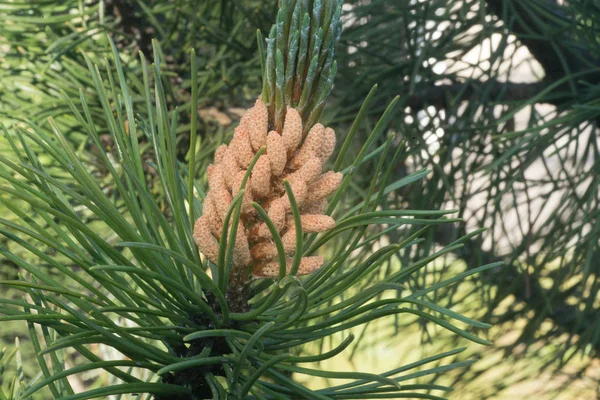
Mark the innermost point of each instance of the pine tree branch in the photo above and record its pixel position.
(546, 29)
(550, 42)
(527, 289)
(444, 95)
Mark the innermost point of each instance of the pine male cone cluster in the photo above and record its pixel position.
(285, 159)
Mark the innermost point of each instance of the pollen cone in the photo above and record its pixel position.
(291, 156)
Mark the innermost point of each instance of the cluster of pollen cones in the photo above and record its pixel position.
(284, 159)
